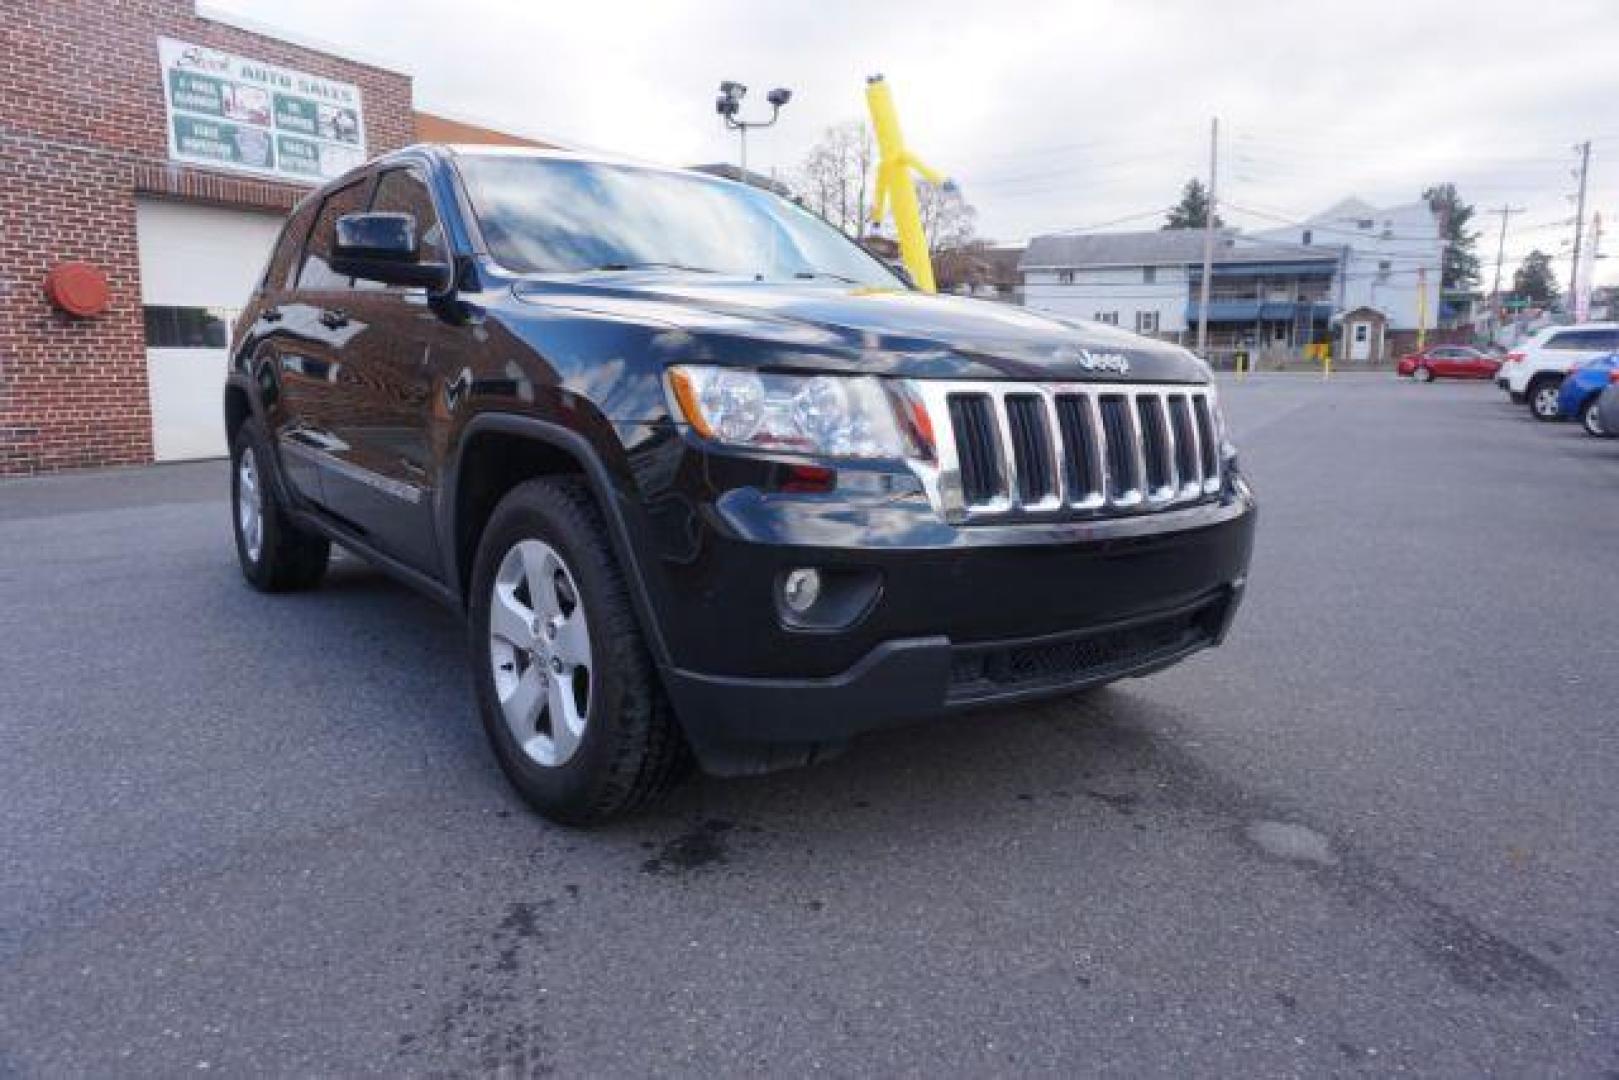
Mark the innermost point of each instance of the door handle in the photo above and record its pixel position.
(334, 318)
(270, 314)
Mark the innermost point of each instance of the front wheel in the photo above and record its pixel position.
(1591, 419)
(1423, 374)
(1543, 399)
(569, 694)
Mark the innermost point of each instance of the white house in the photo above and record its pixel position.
(1393, 260)
(1347, 277)
(1261, 295)
(1137, 280)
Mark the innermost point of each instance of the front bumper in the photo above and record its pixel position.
(963, 617)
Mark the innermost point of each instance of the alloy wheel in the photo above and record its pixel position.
(1546, 401)
(539, 651)
(250, 505)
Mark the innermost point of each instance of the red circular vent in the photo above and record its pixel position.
(77, 288)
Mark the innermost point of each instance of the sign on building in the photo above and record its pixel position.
(230, 112)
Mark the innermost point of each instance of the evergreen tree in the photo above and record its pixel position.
(1192, 212)
(1460, 266)
(1534, 280)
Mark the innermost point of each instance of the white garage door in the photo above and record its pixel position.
(198, 265)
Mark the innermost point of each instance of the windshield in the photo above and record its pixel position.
(549, 215)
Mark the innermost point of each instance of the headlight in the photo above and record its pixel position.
(1222, 434)
(821, 415)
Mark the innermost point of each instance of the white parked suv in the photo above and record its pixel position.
(1534, 371)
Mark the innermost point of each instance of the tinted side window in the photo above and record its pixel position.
(403, 191)
(316, 274)
(278, 275)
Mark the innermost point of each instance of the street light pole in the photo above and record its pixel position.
(729, 103)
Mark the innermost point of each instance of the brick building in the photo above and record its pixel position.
(155, 147)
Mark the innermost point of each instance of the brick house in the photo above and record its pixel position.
(161, 146)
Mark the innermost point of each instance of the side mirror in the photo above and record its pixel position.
(382, 247)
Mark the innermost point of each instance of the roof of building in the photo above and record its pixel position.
(437, 128)
(1162, 247)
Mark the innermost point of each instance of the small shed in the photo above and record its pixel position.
(1363, 334)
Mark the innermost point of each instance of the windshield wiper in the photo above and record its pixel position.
(810, 275)
(655, 266)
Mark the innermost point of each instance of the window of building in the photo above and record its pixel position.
(1383, 269)
(1065, 277)
(1146, 322)
(1149, 275)
(1109, 317)
(1365, 223)
(315, 272)
(1307, 236)
(187, 327)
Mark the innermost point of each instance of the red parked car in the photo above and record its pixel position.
(1449, 362)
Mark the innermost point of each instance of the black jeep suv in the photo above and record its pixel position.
(704, 476)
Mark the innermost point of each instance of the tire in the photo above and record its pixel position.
(1542, 399)
(274, 553)
(1423, 374)
(1591, 419)
(575, 713)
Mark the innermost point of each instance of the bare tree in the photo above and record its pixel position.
(949, 220)
(835, 178)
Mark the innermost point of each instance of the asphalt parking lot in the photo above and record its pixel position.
(1377, 832)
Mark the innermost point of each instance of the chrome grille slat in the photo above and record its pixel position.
(1008, 449)
(1172, 459)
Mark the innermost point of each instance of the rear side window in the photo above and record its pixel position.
(1584, 340)
(316, 273)
(278, 275)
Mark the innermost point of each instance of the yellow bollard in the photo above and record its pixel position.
(895, 188)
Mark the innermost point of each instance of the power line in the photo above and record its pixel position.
(1100, 225)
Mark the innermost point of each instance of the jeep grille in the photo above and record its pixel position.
(1070, 450)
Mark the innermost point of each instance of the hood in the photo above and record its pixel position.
(825, 327)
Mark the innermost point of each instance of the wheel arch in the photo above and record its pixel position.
(498, 451)
(238, 407)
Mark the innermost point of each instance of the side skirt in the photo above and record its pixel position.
(345, 537)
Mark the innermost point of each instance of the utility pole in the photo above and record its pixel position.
(1579, 225)
(1506, 210)
(1422, 307)
(1208, 239)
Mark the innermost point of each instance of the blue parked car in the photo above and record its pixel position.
(1582, 387)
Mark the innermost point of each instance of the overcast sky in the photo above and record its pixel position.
(1060, 115)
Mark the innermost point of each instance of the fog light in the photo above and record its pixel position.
(800, 589)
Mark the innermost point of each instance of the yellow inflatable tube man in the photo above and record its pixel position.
(895, 188)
